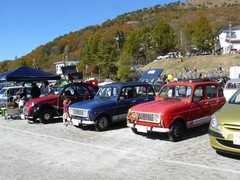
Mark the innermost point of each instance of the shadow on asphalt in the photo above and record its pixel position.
(114, 126)
(189, 133)
(232, 156)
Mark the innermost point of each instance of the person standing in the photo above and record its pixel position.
(35, 91)
(66, 103)
(23, 95)
(45, 88)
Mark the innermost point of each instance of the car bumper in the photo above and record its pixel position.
(146, 129)
(231, 144)
(78, 122)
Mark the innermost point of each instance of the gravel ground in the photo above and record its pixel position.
(54, 151)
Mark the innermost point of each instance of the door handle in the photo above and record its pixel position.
(207, 103)
(217, 101)
(134, 100)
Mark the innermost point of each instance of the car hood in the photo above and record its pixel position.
(43, 99)
(228, 114)
(93, 104)
(158, 106)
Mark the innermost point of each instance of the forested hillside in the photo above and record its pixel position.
(110, 49)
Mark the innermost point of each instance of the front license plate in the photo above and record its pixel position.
(75, 122)
(236, 139)
(142, 129)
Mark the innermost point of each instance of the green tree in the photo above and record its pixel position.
(201, 33)
(163, 38)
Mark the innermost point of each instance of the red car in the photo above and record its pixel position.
(50, 106)
(233, 51)
(179, 106)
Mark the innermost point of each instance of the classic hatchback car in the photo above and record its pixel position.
(179, 105)
(110, 104)
(224, 129)
(47, 107)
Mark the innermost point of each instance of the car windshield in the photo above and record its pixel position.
(107, 92)
(175, 91)
(235, 98)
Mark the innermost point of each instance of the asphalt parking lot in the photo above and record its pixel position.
(54, 151)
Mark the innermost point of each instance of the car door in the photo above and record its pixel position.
(125, 101)
(215, 97)
(200, 108)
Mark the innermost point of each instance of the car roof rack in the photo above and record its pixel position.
(195, 80)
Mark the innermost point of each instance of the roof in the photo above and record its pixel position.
(25, 73)
(122, 84)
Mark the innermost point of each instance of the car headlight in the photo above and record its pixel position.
(157, 118)
(214, 123)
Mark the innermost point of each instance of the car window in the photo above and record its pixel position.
(211, 91)
(175, 91)
(141, 91)
(198, 94)
(107, 92)
(82, 91)
(127, 92)
(69, 91)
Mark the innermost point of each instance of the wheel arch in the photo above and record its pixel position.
(109, 117)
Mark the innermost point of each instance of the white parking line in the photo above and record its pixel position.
(127, 152)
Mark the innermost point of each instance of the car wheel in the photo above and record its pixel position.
(176, 131)
(46, 116)
(101, 123)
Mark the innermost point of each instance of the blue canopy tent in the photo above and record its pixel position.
(25, 73)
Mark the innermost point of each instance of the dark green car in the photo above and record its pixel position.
(224, 130)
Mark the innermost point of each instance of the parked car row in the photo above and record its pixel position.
(179, 106)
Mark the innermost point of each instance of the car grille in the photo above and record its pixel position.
(77, 112)
(228, 143)
(146, 117)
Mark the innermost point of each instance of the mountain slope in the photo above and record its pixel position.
(205, 64)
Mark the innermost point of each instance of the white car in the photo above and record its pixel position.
(163, 57)
(7, 92)
(231, 87)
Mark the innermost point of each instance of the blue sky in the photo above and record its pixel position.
(27, 24)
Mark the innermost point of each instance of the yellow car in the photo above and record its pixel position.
(224, 129)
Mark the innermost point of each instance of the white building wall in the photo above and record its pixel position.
(226, 45)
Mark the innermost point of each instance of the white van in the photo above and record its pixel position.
(7, 92)
(231, 87)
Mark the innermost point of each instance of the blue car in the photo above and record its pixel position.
(110, 104)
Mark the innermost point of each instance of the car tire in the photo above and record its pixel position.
(46, 116)
(176, 131)
(102, 123)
